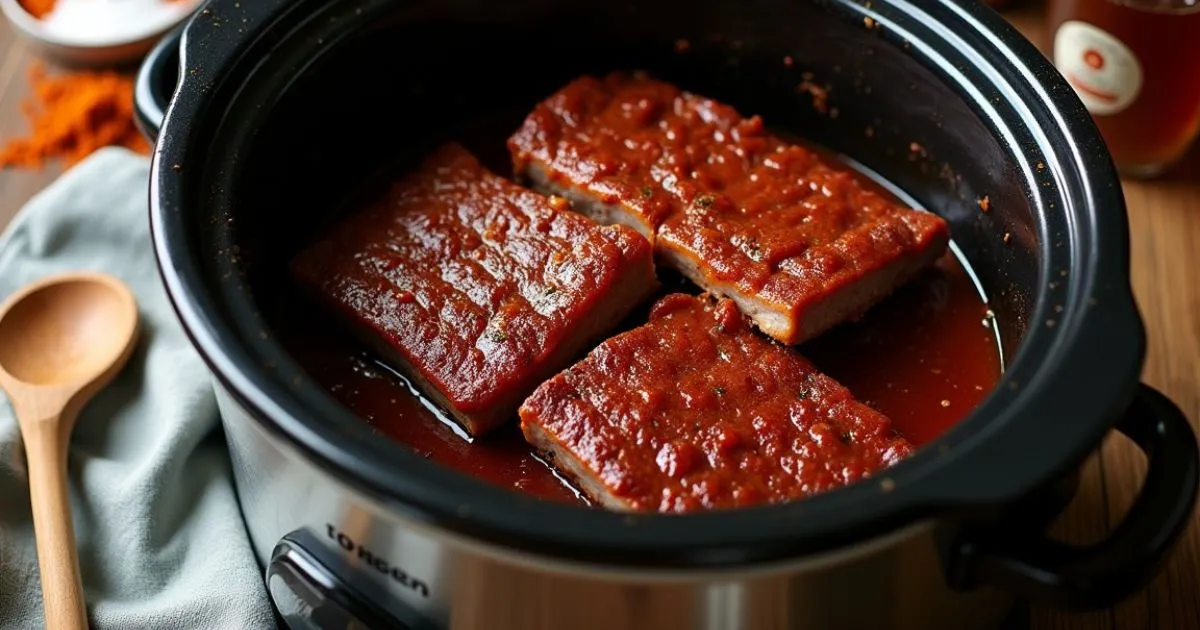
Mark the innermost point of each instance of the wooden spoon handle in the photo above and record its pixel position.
(62, 589)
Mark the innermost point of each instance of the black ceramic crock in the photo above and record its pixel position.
(279, 109)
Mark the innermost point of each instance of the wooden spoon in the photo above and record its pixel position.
(62, 339)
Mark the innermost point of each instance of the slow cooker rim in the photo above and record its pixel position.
(510, 519)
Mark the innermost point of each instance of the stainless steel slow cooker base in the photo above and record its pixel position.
(326, 546)
(279, 111)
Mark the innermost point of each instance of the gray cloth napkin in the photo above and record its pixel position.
(161, 541)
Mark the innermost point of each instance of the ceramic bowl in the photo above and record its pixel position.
(95, 49)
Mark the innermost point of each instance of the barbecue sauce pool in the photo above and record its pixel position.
(926, 356)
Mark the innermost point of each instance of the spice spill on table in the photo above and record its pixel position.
(70, 115)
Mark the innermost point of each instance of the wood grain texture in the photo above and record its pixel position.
(1165, 222)
(16, 186)
(62, 340)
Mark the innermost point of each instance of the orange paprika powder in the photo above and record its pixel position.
(37, 8)
(40, 8)
(72, 115)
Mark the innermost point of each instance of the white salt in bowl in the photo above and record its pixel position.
(98, 32)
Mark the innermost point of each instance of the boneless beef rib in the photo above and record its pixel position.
(695, 411)
(474, 287)
(799, 245)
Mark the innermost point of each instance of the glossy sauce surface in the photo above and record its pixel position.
(925, 357)
(768, 216)
(693, 410)
(471, 280)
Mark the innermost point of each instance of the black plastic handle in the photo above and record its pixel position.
(155, 84)
(308, 596)
(1101, 574)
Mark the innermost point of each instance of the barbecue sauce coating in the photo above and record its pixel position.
(472, 281)
(695, 411)
(770, 219)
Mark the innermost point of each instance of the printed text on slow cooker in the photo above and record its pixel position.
(376, 561)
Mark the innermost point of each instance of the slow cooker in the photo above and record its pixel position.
(267, 114)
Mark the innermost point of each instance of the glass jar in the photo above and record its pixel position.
(1135, 64)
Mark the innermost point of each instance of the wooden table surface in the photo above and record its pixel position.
(16, 186)
(1165, 223)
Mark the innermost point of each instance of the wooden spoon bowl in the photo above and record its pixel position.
(47, 338)
(62, 339)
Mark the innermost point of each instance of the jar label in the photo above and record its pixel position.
(1104, 72)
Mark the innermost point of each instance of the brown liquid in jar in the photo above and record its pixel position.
(1136, 66)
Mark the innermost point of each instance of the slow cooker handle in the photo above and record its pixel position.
(1096, 575)
(155, 84)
